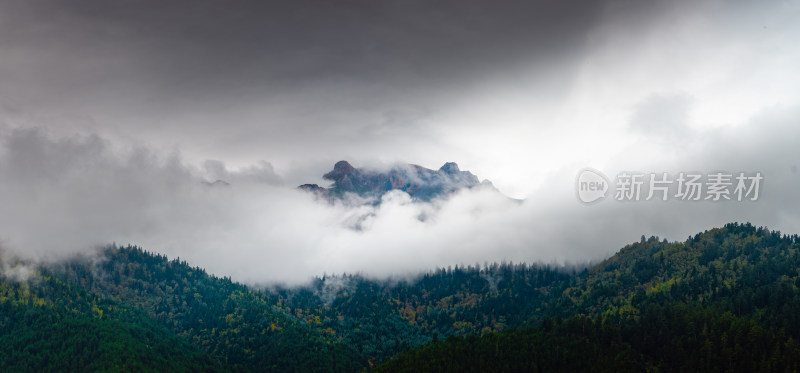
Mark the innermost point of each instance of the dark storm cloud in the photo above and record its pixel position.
(274, 79)
(201, 48)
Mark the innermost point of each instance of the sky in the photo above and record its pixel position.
(113, 115)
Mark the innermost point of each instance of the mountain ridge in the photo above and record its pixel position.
(420, 183)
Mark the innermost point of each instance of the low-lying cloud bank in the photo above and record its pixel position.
(62, 195)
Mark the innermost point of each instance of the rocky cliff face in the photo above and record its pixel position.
(422, 184)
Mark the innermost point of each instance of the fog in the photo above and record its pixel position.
(117, 119)
(68, 195)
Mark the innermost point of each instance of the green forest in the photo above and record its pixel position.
(724, 300)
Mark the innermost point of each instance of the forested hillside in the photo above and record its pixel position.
(234, 324)
(48, 325)
(381, 318)
(725, 300)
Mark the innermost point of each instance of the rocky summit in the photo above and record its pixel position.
(422, 184)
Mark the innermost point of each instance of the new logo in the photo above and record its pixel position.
(591, 186)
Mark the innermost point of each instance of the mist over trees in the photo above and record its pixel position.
(724, 299)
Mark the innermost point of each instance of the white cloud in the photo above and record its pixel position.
(62, 195)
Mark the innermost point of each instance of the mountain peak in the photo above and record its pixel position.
(340, 170)
(422, 184)
(450, 168)
(343, 166)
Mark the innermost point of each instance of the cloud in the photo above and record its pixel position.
(66, 195)
(14, 269)
(114, 119)
(506, 90)
(289, 81)
(260, 173)
(663, 116)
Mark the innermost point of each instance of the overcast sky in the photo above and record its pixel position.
(112, 113)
